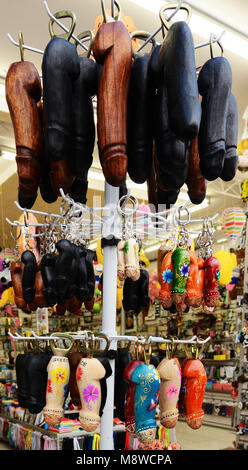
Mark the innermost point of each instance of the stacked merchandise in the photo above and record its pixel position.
(66, 425)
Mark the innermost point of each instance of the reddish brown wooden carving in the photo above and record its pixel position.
(113, 48)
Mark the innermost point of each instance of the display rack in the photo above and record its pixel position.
(110, 228)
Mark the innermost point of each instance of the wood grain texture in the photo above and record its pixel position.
(16, 271)
(23, 93)
(112, 48)
(197, 185)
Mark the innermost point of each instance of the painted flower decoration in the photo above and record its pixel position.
(59, 375)
(167, 276)
(172, 391)
(90, 393)
(185, 270)
(218, 275)
(79, 373)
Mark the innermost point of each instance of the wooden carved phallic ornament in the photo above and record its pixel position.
(181, 264)
(197, 185)
(192, 298)
(214, 83)
(88, 375)
(113, 49)
(178, 60)
(139, 129)
(124, 357)
(170, 375)
(23, 93)
(131, 253)
(29, 275)
(121, 260)
(60, 69)
(129, 404)
(162, 251)
(231, 155)
(166, 281)
(147, 380)
(200, 285)
(211, 281)
(16, 271)
(58, 377)
(194, 381)
(39, 299)
(74, 358)
(128, 23)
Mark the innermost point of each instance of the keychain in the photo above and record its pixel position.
(170, 374)
(194, 381)
(146, 378)
(88, 375)
(57, 383)
(211, 273)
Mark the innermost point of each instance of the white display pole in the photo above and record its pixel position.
(109, 323)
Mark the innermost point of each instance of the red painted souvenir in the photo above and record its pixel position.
(192, 298)
(166, 281)
(194, 381)
(211, 281)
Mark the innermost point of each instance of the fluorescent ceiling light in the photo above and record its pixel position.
(95, 175)
(193, 235)
(2, 90)
(222, 240)
(202, 26)
(152, 248)
(8, 155)
(92, 246)
(198, 207)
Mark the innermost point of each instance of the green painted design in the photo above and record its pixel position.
(126, 247)
(181, 264)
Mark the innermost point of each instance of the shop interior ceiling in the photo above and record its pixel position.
(30, 17)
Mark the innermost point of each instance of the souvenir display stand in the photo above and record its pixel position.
(118, 222)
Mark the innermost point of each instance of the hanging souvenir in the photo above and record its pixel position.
(170, 374)
(215, 83)
(181, 264)
(147, 381)
(113, 49)
(89, 373)
(57, 383)
(231, 156)
(194, 381)
(130, 425)
(166, 281)
(60, 65)
(196, 183)
(23, 93)
(124, 358)
(192, 298)
(139, 131)
(177, 57)
(83, 140)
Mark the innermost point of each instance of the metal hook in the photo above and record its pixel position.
(86, 35)
(108, 18)
(142, 35)
(62, 26)
(63, 14)
(21, 42)
(214, 39)
(24, 46)
(61, 351)
(178, 6)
